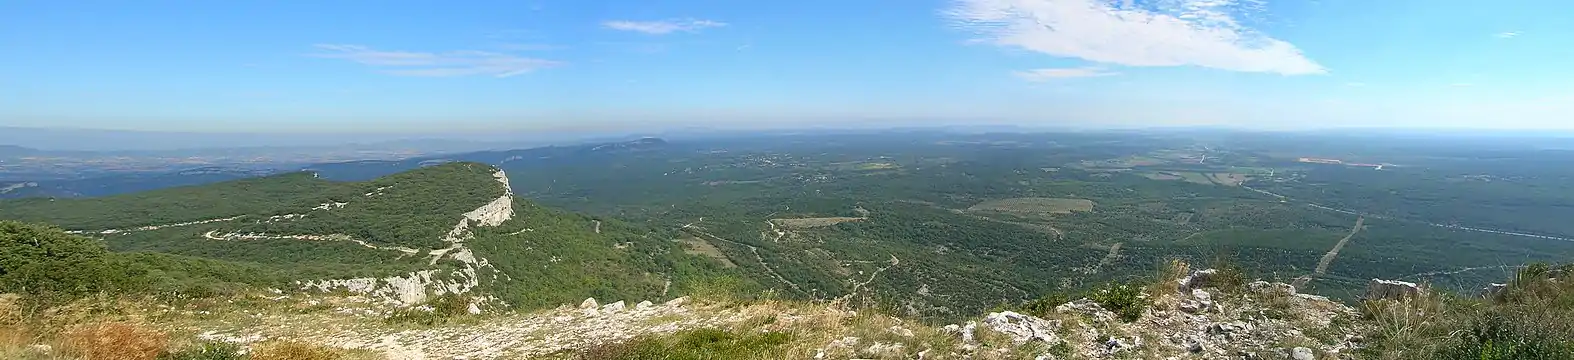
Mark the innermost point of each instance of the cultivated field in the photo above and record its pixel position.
(1035, 205)
(697, 246)
(1160, 176)
(805, 223)
(1228, 179)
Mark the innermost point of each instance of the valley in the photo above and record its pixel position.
(933, 228)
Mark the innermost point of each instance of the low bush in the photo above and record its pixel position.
(1044, 305)
(212, 350)
(437, 311)
(1500, 337)
(1125, 299)
(1228, 275)
(1531, 318)
(288, 350)
(693, 344)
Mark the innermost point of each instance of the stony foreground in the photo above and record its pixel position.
(1194, 319)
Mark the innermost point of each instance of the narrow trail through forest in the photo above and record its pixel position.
(752, 249)
(1328, 259)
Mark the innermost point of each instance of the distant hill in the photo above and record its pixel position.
(13, 150)
(508, 159)
(126, 183)
(345, 171)
(441, 229)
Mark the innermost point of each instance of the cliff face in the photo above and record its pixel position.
(413, 288)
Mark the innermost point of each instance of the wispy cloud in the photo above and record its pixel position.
(661, 27)
(635, 47)
(445, 64)
(1165, 33)
(1062, 73)
(528, 47)
(1506, 34)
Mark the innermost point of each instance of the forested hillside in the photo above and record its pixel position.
(453, 227)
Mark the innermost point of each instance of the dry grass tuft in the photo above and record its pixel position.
(10, 308)
(14, 343)
(289, 350)
(114, 341)
(1170, 274)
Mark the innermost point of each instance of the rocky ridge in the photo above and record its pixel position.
(1190, 318)
(415, 287)
(1195, 320)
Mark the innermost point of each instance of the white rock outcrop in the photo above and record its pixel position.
(414, 288)
(1023, 328)
(1301, 353)
(1198, 279)
(1493, 290)
(613, 307)
(1379, 289)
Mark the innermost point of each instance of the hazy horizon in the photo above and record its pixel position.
(77, 139)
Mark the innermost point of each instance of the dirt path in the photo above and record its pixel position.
(1114, 252)
(779, 232)
(1328, 259)
(155, 227)
(894, 262)
(1457, 271)
(752, 249)
(216, 235)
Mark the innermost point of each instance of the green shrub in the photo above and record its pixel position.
(212, 350)
(55, 267)
(692, 344)
(1229, 276)
(437, 311)
(1124, 299)
(1044, 305)
(1499, 337)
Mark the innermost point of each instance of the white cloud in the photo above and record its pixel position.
(1506, 34)
(1161, 33)
(446, 64)
(528, 47)
(1061, 73)
(662, 26)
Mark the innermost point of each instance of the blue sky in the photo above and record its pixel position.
(423, 66)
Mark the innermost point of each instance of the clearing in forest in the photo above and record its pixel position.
(1160, 175)
(1194, 177)
(805, 223)
(697, 246)
(1035, 205)
(1228, 179)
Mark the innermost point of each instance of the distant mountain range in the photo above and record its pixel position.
(123, 184)
(343, 171)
